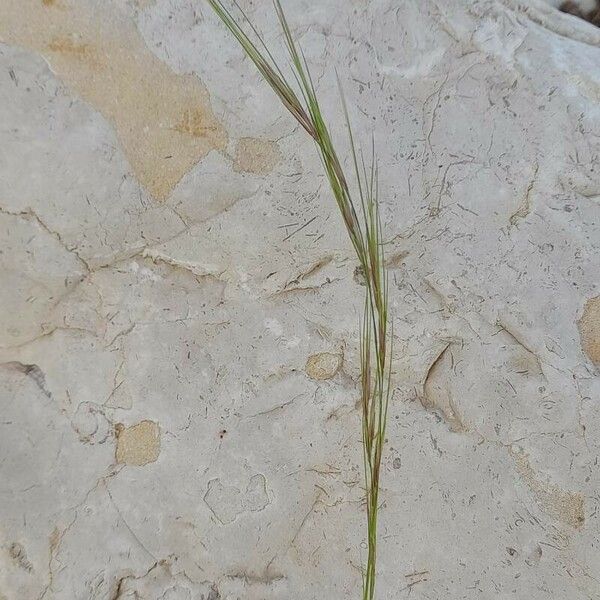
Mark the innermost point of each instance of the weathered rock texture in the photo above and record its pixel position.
(179, 305)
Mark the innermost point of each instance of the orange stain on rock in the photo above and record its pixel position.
(164, 120)
(254, 155)
(589, 329)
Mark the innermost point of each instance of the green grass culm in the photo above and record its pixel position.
(363, 223)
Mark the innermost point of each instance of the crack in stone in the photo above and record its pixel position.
(30, 215)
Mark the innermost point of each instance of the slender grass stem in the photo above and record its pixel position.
(364, 229)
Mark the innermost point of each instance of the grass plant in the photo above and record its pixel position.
(359, 209)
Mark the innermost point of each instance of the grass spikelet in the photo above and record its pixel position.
(363, 224)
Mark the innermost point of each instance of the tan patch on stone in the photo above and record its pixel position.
(253, 155)
(193, 122)
(323, 365)
(163, 120)
(589, 329)
(139, 444)
(563, 506)
(66, 45)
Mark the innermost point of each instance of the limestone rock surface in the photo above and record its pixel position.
(179, 304)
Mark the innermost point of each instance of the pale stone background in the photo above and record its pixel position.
(180, 305)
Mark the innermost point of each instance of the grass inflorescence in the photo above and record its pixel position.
(363, 224)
